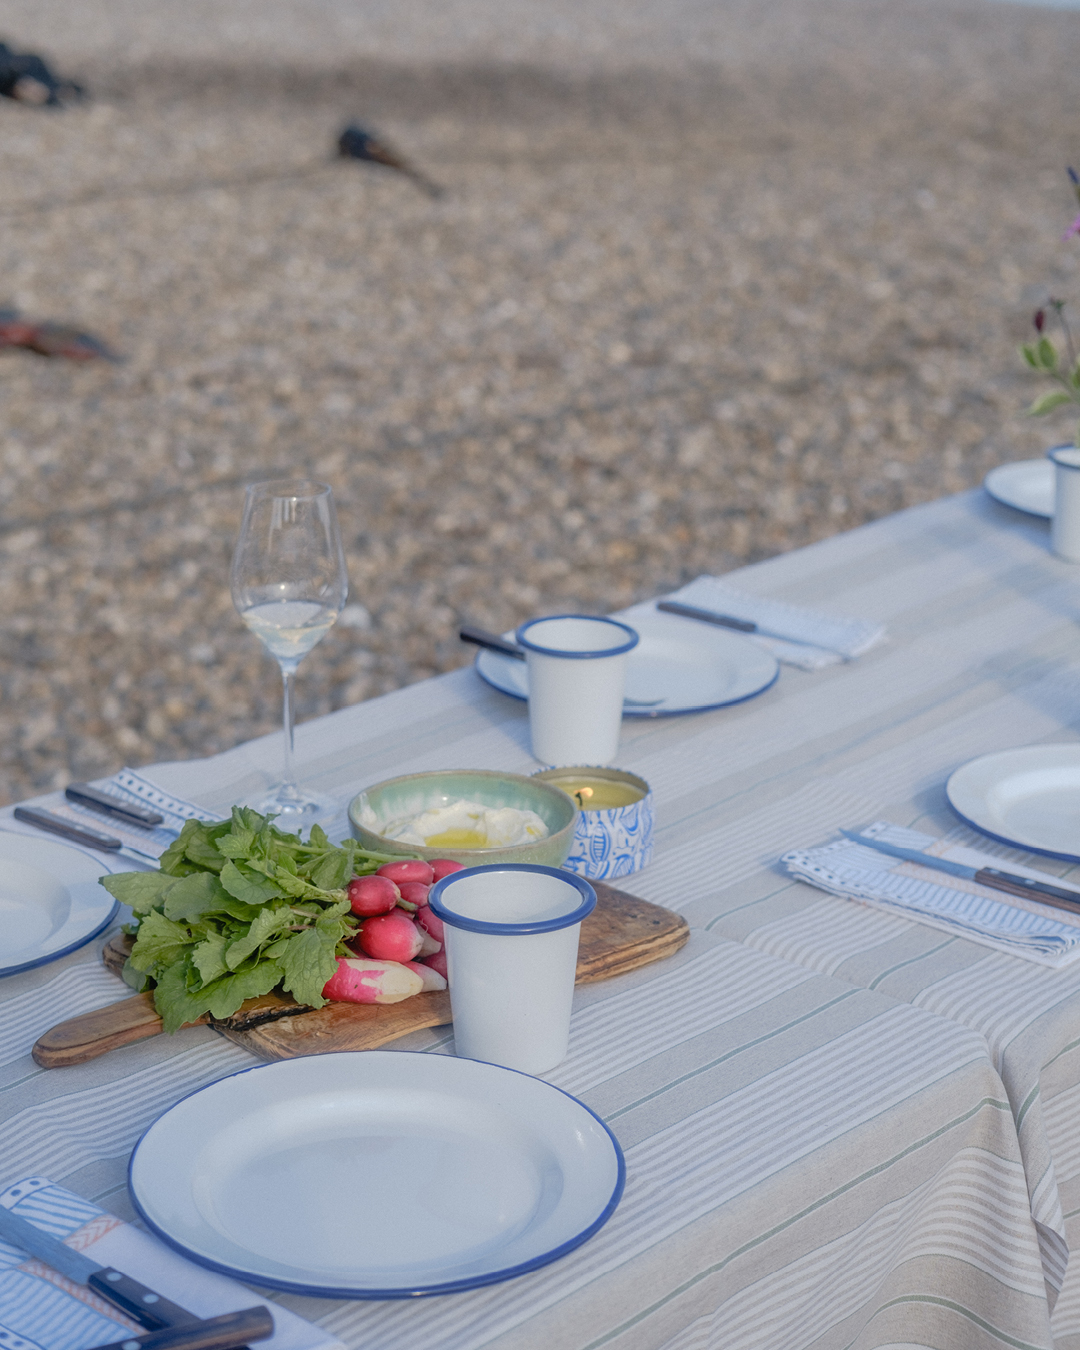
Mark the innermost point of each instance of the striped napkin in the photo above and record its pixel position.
(43, 1310)
(820, 639)
(1010, 924)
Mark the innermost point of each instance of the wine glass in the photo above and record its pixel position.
(289, 584)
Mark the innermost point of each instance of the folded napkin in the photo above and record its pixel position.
(819, 639)
(43, 1310)
(1011, 924)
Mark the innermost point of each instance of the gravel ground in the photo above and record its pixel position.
(706, 285)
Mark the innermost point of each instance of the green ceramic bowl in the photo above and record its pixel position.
(418, 791)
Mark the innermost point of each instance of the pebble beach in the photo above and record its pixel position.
(706, 284)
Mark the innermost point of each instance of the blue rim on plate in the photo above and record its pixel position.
(753, 670)
(252, 1274)
(443, 911)
(81, 926)
(963, 797)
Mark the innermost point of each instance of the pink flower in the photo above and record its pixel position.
(1074, 228)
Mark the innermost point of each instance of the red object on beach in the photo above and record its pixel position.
(50, 339)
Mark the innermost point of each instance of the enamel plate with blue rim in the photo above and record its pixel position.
(51, 901)
(377, 1174)
(679, 666)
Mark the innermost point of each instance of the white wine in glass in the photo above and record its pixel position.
(289, 585)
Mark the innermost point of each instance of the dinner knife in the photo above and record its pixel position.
(739, 625)
(130, 813)
(230, 1331)
(66, 829)
(1026, 887)
(151, 1310)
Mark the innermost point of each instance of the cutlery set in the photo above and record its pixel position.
(170, 1327)
(1025, 887)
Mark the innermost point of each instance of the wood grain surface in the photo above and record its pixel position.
(621, 934)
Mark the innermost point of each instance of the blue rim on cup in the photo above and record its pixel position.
(442, 910)
(631, 640)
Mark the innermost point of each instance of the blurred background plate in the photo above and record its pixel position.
(690, 666)
(1029, 797)
(51, 901)
(1027, 485)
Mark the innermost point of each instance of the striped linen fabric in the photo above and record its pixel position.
(841, 1128)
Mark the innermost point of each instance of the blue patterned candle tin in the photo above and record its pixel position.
(609, 841)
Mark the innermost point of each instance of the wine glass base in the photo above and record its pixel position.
(293, 807)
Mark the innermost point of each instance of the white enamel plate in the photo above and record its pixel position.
(1027, 485)
(376, 1174)
(1029, 798)
(51, 901)
(687, 666)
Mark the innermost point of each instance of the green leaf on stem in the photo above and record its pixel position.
(1048, 402)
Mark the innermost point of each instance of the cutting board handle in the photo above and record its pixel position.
(92, 1034)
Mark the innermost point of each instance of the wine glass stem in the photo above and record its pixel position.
(288, 673)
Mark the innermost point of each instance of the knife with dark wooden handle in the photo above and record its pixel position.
(152, 1310)
(227, 1332)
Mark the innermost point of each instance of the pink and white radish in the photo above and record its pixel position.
(432, 978)
(414, 893)
(442, 867)
(438, 962)
(358, 980)
(406, 870)
(372, 895)
(428, 946)
(430, 922)
(391, 937)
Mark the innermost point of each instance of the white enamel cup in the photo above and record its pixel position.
(511, 937)
(577, 676)
(1065, 526)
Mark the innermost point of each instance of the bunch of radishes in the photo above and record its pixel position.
(399, 944)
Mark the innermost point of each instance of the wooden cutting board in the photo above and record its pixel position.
(621, 934)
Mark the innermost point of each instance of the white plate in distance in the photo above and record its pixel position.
(376, 1174)
(1027, 485)
(689, 666)
(1029, 798)
(51, 901)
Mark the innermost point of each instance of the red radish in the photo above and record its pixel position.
(428, 946)
(413, 870)
(362, 981)
(372, 895)
(442, 867)
(431, 977)
(391, 937)
(438, 962)
(414, 892)
(430, 922)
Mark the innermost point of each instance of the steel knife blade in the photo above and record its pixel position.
(66, 829)
(152, 1310)
(739, 625)
(1025, 887)
(131, 813)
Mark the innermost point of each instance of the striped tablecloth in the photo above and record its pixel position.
(821, 1150)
